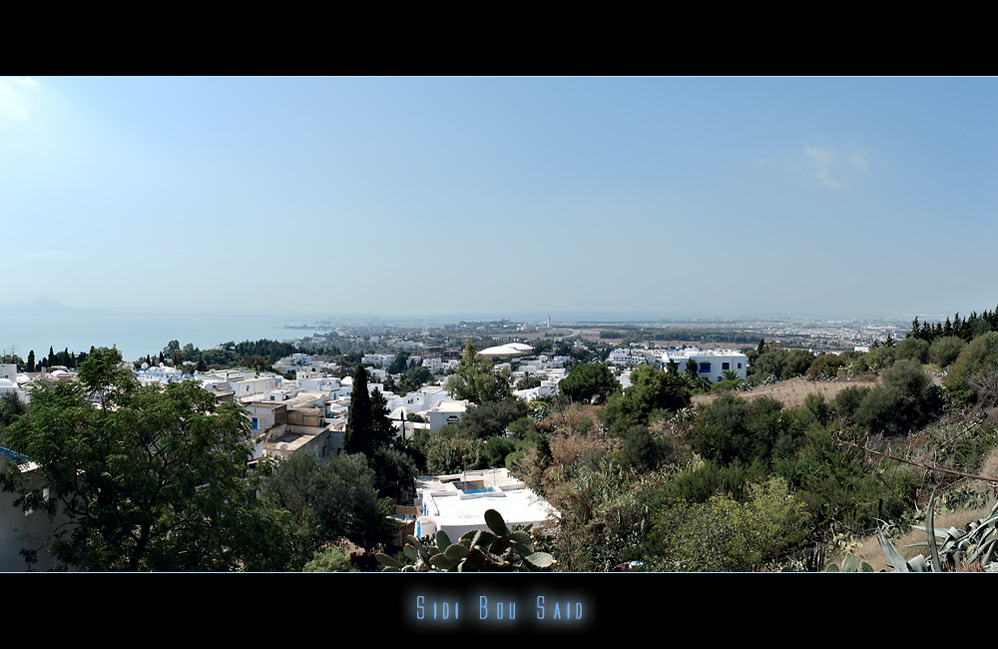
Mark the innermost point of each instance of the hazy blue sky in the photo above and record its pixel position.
(441, 195)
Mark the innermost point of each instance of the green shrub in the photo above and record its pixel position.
(826, 366)
(943, 351)
(725, 386)
(732, 428)
(450, 452)
(496, 449)
(914, 349)
(971, 369)
(847, 402)
(726, 535)
(880, 358)
(905, 400)
(644, 452)
(589, 382)
(651, 390)
(817, 406)
(837, 485)
(605, 517)
(332, 559)
(701, 483)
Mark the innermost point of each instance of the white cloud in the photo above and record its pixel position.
(830, 165)
(818, 155)
(821, 159)
(14, 98)
(859, 158)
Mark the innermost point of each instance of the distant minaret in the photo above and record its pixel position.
(549, 321)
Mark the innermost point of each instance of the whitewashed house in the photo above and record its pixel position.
(711, 363)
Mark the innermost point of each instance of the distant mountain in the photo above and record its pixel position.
(46, 306)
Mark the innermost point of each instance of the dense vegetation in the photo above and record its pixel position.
(966, 329)
(158, 479)
(642, 479)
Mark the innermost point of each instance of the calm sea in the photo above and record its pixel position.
(137, 335)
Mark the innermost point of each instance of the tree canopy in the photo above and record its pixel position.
(330, 501)
(651, 389)
(150, 479)
(476, 380)
(589, 382)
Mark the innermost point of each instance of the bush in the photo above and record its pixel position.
(837, 485)
(726, 535)
(847, 402)
(491, 418)
(914, 349)
(906, 400)
(817, 406)
(332, 559)
(732, 428)
(972, 367)
(340, 495)
(651, 390)
(796, 363)
(731, 385)
(496, 449)
(710, 478)
(825, 366)
(605, 516)
(643, 452)
(882, 357)
(943, 351)
(450, 452)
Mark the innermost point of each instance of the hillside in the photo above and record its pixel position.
(791, 393)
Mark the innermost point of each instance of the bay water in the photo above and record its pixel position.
(138, 335)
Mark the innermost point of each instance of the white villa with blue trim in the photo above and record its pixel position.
(710, 363)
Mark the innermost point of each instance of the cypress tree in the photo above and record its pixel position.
(358, 437)
(382, 431)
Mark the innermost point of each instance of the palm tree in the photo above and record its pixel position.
(731, 375)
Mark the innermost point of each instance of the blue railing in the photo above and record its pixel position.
(14, 456)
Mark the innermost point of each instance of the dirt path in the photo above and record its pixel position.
(791, 393)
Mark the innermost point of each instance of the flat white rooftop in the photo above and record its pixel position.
(457, 503)
(693, 351)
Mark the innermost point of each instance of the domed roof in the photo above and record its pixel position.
(506, 350)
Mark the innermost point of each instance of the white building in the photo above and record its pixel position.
(448, 411)
(627, 357)
(457, 503)
(324, 383)
(9, 371)
(20, 529)
(711, 363)
(378, 360)
(9, 381)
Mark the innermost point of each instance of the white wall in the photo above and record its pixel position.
(18, 530)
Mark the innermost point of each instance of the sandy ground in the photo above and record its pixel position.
(792, 393)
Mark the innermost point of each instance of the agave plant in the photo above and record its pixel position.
(501, 549)
(978, 541)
